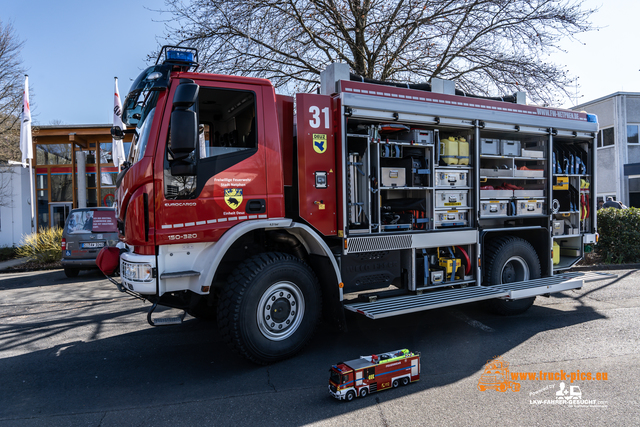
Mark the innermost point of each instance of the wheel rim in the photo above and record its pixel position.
(515, 269)
(280, 311)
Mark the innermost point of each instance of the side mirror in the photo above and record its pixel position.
(186, 94)
(184, 121)
(117, 133)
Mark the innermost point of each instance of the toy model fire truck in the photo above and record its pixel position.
(381, 200)
(369, 374)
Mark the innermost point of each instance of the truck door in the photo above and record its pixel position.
(228, 182)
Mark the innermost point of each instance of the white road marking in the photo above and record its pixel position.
(471, 322)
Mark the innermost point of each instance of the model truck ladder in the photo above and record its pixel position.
(443, 298)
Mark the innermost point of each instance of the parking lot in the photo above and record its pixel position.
(78, 352)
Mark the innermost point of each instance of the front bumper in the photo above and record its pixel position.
(338, 394)
(144, 287)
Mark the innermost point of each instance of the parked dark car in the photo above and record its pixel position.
(86, 231)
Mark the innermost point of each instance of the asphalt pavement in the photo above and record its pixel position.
(78, 352)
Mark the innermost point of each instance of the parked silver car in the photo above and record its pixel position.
(86, 231)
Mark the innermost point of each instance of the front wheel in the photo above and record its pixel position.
(509, 260)
(270, 307)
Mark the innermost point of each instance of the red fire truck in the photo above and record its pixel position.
(369, 374)
(373, 198)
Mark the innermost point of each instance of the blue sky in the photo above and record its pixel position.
(73, 49)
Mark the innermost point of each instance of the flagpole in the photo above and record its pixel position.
(33, 199)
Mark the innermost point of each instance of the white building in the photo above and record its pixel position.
(618, 146)
(15, 204)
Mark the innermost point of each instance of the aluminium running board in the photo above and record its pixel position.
(164, 321)
(406, 304)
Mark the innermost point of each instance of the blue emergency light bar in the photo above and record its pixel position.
(592, 118)
(183, 57)
(176, 55)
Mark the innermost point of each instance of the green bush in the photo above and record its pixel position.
(7, 252)
(43, 246)
(619, 231)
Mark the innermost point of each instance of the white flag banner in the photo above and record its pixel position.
(26, 145)
(118, 145)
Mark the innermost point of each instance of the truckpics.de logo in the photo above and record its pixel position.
(496, 376)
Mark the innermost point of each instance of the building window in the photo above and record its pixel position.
(53, 154)
(61, 187)
(632, 134)
(607, 137)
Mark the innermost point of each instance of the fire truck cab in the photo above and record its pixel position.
(377, 199)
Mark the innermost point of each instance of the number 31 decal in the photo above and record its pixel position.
(316, 121)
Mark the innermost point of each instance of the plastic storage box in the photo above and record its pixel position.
(509, 148)
(489, 146)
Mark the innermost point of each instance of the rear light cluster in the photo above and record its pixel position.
(64, 244)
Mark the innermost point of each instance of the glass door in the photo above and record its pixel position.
(59, 213)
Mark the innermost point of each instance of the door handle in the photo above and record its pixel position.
(256, 206)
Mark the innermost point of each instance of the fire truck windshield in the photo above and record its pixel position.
(141, 136)
(334, 377)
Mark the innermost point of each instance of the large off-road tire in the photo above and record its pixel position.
(270, 307)
(508, 260)
(71, 272)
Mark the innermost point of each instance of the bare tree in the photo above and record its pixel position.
(489, 47)
(11, 78)
(11, 89)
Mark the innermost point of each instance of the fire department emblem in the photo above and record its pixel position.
(233, 197)
(320, 142)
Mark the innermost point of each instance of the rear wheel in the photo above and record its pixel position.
(71, 272)
(509, 260)
(395, 384)
(364, 392)
(405, 381)
(270, 307)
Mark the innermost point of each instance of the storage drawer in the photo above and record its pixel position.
(451, 178)
(527, 173)
(509, 148)
(452, 218)
(536, 153)
(490, 147)
(528, 194)
(489, 208)
(529, 207)
(496, 194)
(451, 199)
(496, 172)
(393, 177)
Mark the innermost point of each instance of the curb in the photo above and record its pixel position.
(634, 266)
(13, 262)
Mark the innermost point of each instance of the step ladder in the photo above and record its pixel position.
(406, 304)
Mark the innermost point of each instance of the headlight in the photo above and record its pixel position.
(136, 272)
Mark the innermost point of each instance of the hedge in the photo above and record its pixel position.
(619, 231)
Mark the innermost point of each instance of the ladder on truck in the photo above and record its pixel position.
(405, 304)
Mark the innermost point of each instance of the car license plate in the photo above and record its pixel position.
(89, 245)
